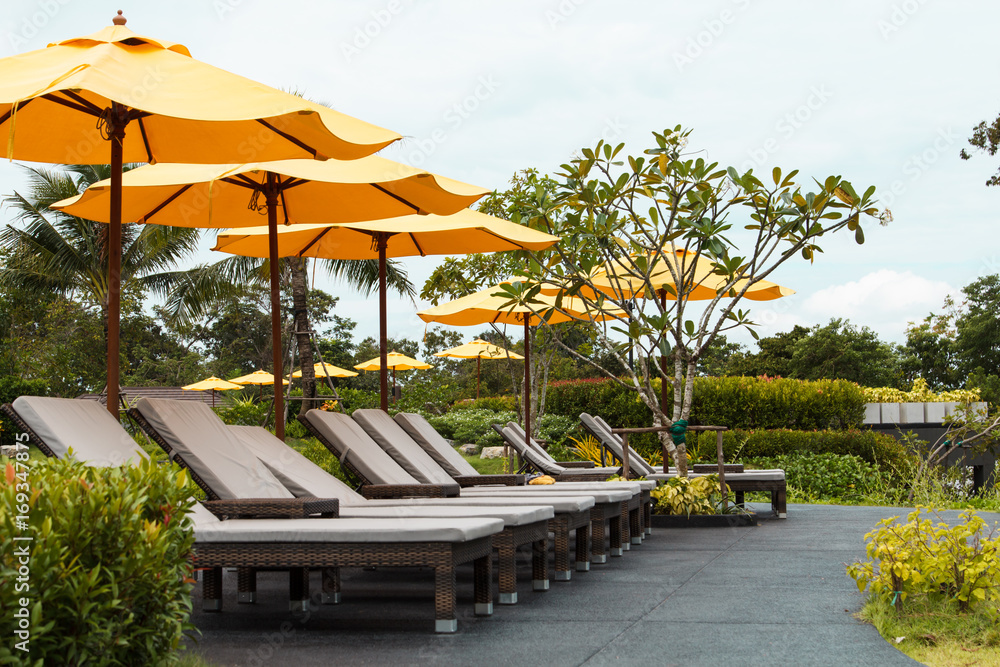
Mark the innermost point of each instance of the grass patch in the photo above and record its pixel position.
(487, 466)
(936, 633)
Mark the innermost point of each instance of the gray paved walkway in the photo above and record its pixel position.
(766, 595)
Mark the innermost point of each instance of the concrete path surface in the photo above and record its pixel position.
(773, 594)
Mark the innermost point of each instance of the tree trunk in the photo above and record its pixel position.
(301, 328)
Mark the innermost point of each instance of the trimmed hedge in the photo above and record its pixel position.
(736, 402)
(107, 580)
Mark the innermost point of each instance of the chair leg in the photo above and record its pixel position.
(561, 548)
(540, 565)
(444, 597)
(331, 585)
(635, 525)
(615, 530)
(507, 559)
(598, 555)
(625, 526)
(246, 585)
(482, 584)
(298, 589)
(211, 586)
(779, 503)
(583, 548)
(647, 517)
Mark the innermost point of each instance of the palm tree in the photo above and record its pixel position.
(52, 252)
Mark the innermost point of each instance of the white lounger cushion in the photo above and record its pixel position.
(205, 443)
(510, 515)
(391, 437)
(599, 495)
(346, 531)
(772, 475)
(540, 451)
(361, 451)
(85, 426)
(435, 445)
(297, 473)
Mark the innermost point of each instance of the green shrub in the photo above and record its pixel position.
(108, 572)
(321, 456)
(244, 411)
(472, 426)
(841, 476)
(12, 387)
(876, 448)
(494, 403)
(357, 399)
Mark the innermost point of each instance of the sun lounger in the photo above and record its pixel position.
(373, 468)
(768, 481)
(384, 441)
(57, 426)
(445, 456)
(224, 457)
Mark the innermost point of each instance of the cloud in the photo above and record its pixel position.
(883, 300)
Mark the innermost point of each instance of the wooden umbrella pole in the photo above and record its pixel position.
(477, 378)
(527, 378)
(383, 325)
(271, 194)
(116, 130)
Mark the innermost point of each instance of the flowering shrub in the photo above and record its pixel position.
(933, 560)
(687, 495)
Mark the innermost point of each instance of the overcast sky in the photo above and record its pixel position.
(883, 92)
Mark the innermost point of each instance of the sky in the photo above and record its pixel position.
(884, 93)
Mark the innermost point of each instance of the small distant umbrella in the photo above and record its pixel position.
(212, 384)
(478, 349)
(394, 361)
(259, 378)
(328, 370)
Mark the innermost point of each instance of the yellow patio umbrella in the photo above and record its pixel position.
(478, 349)
(66, 102)
(305, 191)
(493, 305)
(466, 231)
(327, 370)
(260, 378)
(212, 384)
(395, 361)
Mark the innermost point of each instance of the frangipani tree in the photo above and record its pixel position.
(637, 235)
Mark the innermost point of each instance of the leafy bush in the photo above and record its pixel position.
(357, 399)
(932, 560)
(841, 476)
(876, 448)
(108, 572)
(495, 403)
(687, 495)
(244, 411)
(321, 456)
(12, 387)
(471, 426)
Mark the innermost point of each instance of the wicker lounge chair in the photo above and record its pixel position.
(769, 481)
(439, 449)
(374, 469)
(57, 426)
(225, 458)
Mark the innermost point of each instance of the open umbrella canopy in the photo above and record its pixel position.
(328, 370)
(214, 383)
(117, 96)
(478, 349)
(259, 377)
(308, 191)
(466, 231)
(394, 361)
(463, 232)
(51, 100)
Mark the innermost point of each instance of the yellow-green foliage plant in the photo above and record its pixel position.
(942, 563)
(686, 495)
(589, 449)
(919, 393)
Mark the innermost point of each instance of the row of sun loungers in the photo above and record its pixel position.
(418, 504)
